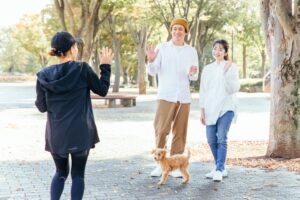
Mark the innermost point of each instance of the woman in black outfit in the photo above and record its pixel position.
(63, 91)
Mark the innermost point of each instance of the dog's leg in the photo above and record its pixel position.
(185, 174)
(164, 178)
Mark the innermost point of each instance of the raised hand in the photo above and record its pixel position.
(193, 70)
(151, 54)
(106, 56)
(227, 66)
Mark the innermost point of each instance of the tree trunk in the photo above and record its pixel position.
(11, 69)
(43, 60)
(284, 41)
(263, 62)
(152, 81)
(141, 68)
(91, 29)
(116, 49)
(60, 7)
(125, 77)
(244, 61)
(141, 60)
(140, 38)
(80, 46)
(96, 61)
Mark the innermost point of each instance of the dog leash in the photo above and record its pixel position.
(167, 138)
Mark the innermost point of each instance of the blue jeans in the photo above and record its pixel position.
(217, 138)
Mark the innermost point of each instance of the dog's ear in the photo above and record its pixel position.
(153, 151)
(164, 152)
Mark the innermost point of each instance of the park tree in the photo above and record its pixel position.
(12, 55)
(245, 32)
(116, 49)
(246, 29)
(140, 38)
(29, 34)
(260, 46)
(50, 22)
(280, 20)
(138, 25)
(256, 34)
(85, 24)
(118, 33)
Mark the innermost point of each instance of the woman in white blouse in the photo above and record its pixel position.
(219, 84)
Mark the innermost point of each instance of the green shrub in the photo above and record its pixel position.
(251, 85)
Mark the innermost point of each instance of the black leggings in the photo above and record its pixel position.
(62, 170)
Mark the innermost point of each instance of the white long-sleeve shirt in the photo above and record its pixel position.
(172, 65)
(217, 91)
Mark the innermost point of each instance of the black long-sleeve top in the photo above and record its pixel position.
(63, 91)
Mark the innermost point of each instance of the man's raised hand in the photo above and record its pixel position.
(150, 52)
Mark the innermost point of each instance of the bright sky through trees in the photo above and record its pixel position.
(13, 10)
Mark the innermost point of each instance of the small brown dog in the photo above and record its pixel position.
(168, 164)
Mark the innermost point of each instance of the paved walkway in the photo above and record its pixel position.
(119, 166)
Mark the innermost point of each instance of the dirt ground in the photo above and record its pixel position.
(11, 78)
(247, 154)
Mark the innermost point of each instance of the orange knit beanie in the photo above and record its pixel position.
(180, 21)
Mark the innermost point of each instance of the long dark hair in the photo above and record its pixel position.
(225, 45)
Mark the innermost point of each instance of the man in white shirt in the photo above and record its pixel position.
(176, 64)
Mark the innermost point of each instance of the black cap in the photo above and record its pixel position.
(62, 42)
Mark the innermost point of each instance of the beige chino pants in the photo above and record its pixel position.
(173, 116)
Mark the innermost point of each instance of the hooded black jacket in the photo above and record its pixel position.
(63, 91)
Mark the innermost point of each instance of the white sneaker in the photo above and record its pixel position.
(224, 173)
(210, 174)
(218, 176)
(156, 172)
(176, 174)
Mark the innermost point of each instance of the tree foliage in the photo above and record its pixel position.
(136, 23)
(31, 37)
